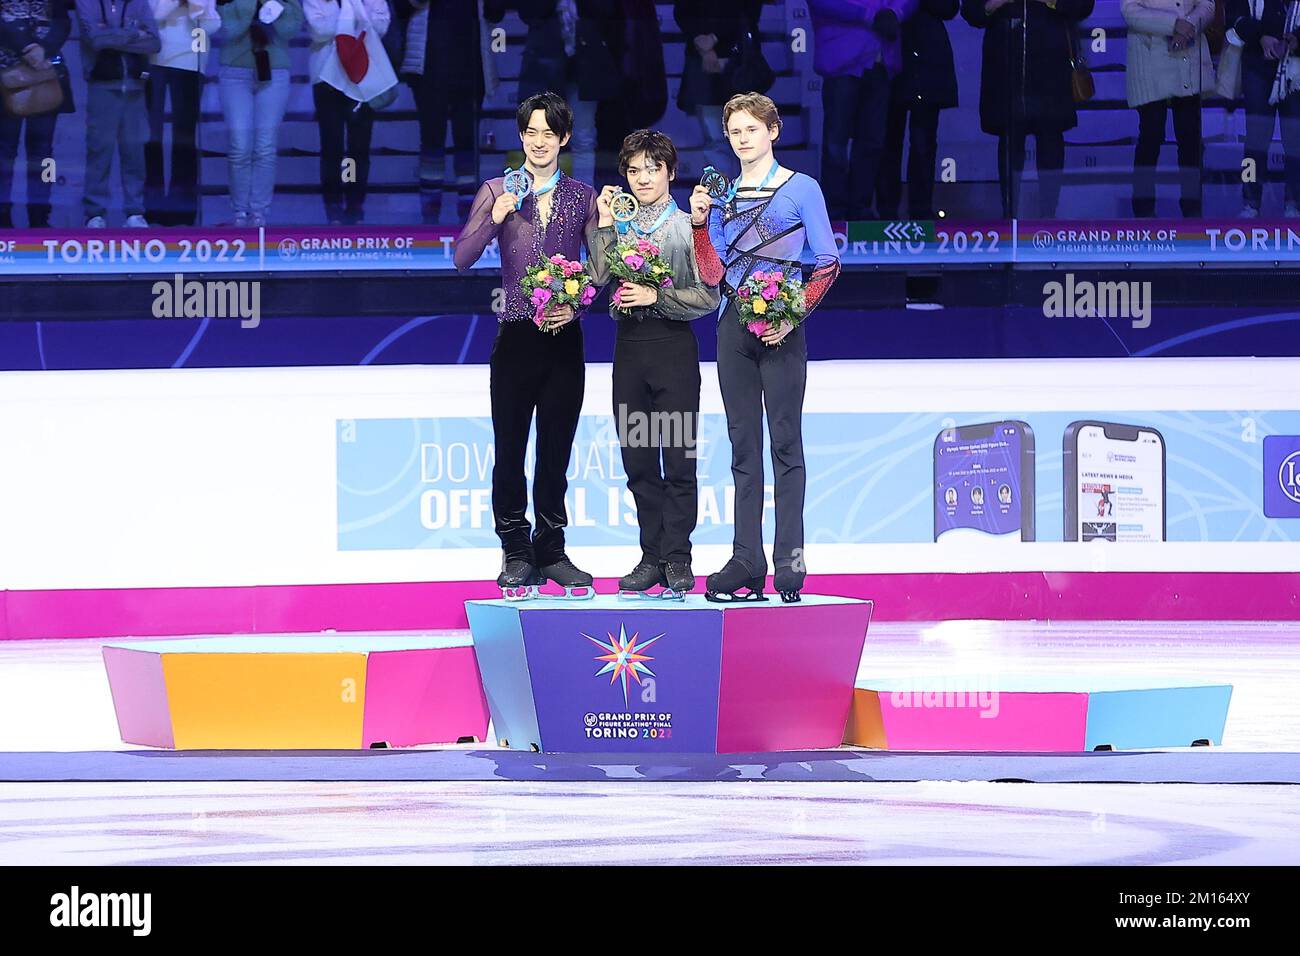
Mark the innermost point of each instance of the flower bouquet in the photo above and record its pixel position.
(768, 300)
(640, 262)
(553, 283)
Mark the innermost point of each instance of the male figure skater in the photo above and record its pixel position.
(656, 365)
(532, 370)
(766, 219)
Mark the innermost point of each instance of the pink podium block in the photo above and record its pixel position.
(415, 697)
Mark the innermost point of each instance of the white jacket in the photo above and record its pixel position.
(177, 21)
(322, 23)
(1153, 73)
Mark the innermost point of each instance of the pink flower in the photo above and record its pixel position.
(777, 276)
(667, 283)
(588, 294)
(616, 296)
(758, 328)
(770, 292)
(557, 258)
(541, 297)
(633, 260)
(744, 293)
(760, 276)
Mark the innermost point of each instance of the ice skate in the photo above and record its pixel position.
(636, 584)
(788, 584)
(577, 584)
(519, 580)
(733, 584)
(678, 581)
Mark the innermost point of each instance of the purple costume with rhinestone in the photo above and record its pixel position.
(522, 240)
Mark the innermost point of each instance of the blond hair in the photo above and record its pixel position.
(756, 105)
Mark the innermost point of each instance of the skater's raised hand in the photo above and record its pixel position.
(506, 204)
(602, 204)
(700, 203)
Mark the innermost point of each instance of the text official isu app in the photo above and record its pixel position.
(1121, 486)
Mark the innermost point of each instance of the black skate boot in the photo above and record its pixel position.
(636, 584)
(678, 579)
(788, 583)
(721, 588)
(519, 580)
(577, 584)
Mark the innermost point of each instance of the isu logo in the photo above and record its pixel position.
(1288, 476)
(288, 248)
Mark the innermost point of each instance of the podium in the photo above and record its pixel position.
(1036, 713)
(296, 691)
(654, 676)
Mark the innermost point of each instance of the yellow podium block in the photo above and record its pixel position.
(266, 701)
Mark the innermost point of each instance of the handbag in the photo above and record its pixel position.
(1228, 82)
(1081, 84)
(31, 92)
(748, 71)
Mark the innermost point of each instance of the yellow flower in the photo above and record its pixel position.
(759, 306)
(571, 286)
(657, 269)
(543, 276)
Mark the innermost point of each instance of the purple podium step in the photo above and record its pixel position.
(618, 676)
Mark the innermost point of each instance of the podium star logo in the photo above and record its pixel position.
(623, 657)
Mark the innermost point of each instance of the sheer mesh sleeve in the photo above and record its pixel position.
(479, 231)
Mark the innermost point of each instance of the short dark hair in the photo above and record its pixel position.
(559, 116)
(658, 146)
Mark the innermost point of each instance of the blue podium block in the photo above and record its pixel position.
(669, 677)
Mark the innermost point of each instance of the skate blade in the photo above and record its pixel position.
(624, 595)
(668, 594)
(583, 592)
(525, 592)
(724, 597)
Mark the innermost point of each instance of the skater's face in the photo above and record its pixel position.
(648, 179)
(749, 138)
(541, 144)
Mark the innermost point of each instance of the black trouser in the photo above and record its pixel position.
(754, 375)
(1011, 168)
(534, 370)
(176, 204)
(437, 105)
(853, 108)
(344, 134)
(1151, 136)
(40, 146)
(1256, 86)
(924, 146)
(656, 405)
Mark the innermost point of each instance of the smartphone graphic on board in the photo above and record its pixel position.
(984, 481)
(1113, 482)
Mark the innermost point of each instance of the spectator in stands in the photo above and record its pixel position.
(556, 30)
(176, 74)
(31, 32)
(926, 85)
(444, 66)
(346, 124)
(857, 50)
(254, 88)
(1026, 87)
(1168, 68)
(1270, 83)
(116, 38)
(713, 30)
